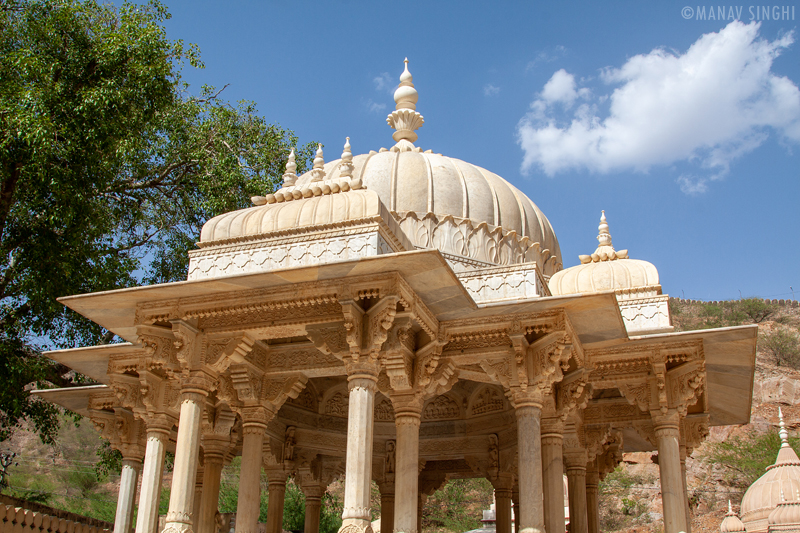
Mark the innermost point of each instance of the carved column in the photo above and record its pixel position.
(685, 488)
(669, 464)
(502, 498)
(529, 446)
(576, 483)
(592, 497)
(387, 506)
(313, 508)
(197, 513)
(553, 474)
(187, 449)
(214, 458)
(129, 477)
(152, 472)
(358, 471)
(407, 421)
(249, 502)
(277, 493)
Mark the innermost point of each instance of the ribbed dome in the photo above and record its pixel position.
(606, 269)
(764, 495)
(731, 523)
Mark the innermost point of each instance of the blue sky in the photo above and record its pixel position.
(683, 128)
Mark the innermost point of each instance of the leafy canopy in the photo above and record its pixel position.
(109, 168)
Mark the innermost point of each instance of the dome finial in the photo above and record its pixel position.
(783, 433)
(405, 118)
(290, 176)
(318, 172)
(604, 237)
(730, 508)
(346, 166)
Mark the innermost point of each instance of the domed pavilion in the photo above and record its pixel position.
(401, 317)
(772, 502)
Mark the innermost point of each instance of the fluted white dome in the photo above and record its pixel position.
(606, 269)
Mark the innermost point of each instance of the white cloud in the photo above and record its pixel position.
(374, 107)
(385, 82)
(547, 56)
(490, 90)
(707, 107)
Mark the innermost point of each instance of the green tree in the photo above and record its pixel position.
(108, 169)
(745, 459)
(784, 345)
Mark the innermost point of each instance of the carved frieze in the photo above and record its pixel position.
(441, 408)
(337, 405)
(487, 400)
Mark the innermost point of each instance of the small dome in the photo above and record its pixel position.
(606, 269)
(764, 495)
(731, 523)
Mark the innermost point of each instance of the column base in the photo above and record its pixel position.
(178, 527)
(356, 525)
(531, 530)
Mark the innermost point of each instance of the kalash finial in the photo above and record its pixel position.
(405, 118)
(346, 166)
(604, 237)
(783, 433)
(318, 171)
(290, 176)
(605, 251)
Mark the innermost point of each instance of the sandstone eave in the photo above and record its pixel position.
(75, 399)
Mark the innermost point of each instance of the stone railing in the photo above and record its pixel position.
(782, 303)
(16, 519)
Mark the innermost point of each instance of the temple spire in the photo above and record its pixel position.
(604, 237)
(783, 433)
(405, 118)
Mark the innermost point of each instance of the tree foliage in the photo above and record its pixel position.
(109, 168)
(745, 459)
(784, 346)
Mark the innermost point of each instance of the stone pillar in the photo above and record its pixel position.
(313, 508)
(212, 471)
(421, 499)
(128, 479)
(502, 499)
(576, 483)
(249, 502)
(553, 475)
(358, 471)
(592, 497)
(529, 446)
(387, 506)
(150, 492)
(187, 449)
(685, 489)
(515, 502)
(669, 465)
(197, 513)
(277, 493)
(406, 481)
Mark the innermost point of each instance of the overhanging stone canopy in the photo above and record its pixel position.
(390, 317)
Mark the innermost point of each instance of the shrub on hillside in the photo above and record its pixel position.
(745, 459)
(783, 345)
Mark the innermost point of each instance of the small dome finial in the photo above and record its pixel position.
(405, 118)
(346, 166)
(730, 508)
(318, 171)
(290, 176)
(604, 237)
(783, 433)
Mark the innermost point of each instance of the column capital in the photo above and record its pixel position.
(666, 422)
(362, 378)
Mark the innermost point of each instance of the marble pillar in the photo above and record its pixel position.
(406, 481)
(421, 499)
(502, 498)
(187, 449)
(212, 472)
(669, 465)
(313, 508)
(277, 493)
(249, 502)
(387, 506)
(152, 472)
(358, 470)
(593, 496)
(553, 478)
(529, 444)
(197, 513)
(576, 484)
(685, 489)
(128, 479)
